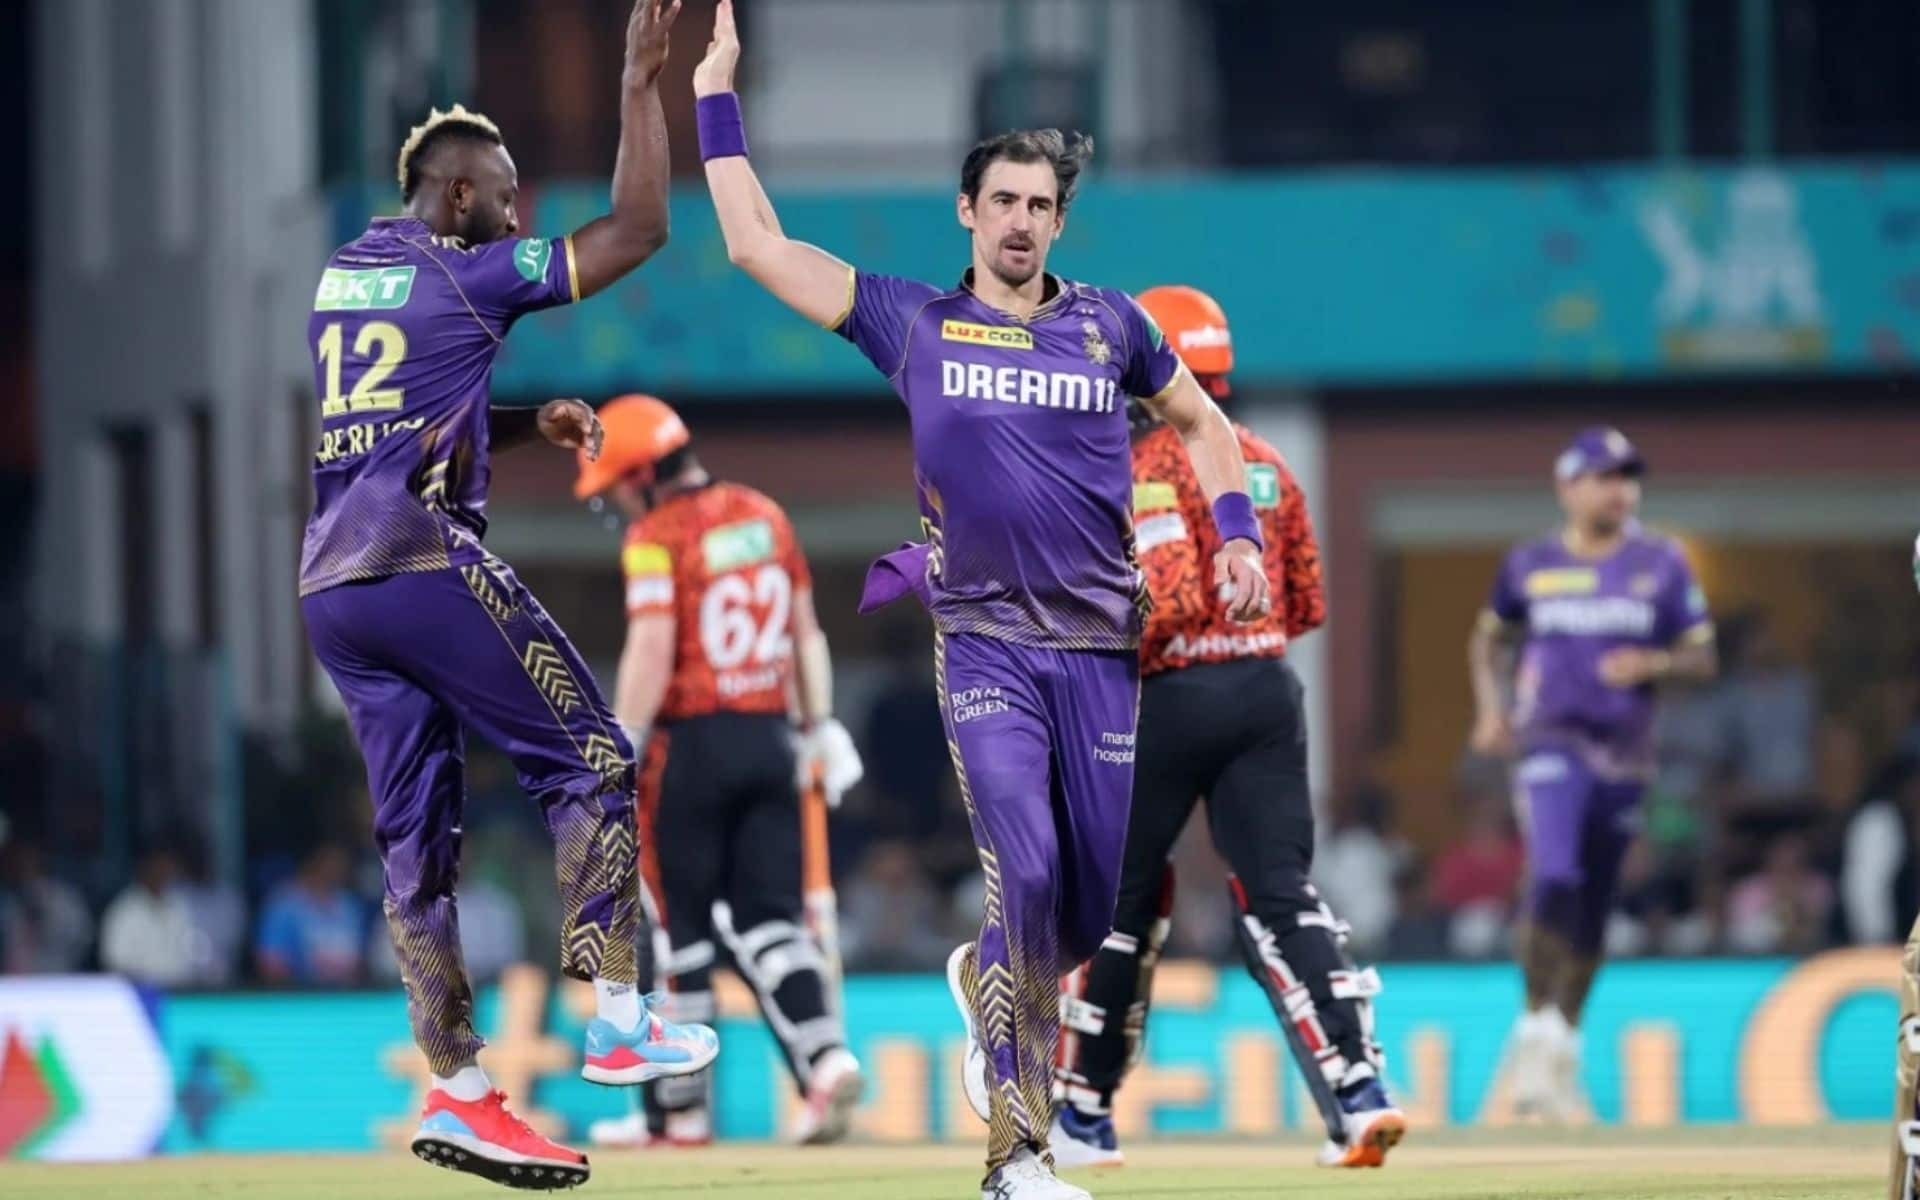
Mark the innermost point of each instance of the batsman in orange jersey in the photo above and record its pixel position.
(725, 689)
(1222, 720)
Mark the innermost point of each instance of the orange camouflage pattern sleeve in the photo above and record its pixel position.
(1167, 514)
(1177, 542)
(1292, 553)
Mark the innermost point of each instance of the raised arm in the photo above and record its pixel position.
(806, 278)
(609, 247)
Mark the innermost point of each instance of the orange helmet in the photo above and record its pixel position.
(1197, 330)
(640, 431)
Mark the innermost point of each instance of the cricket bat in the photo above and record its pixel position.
(816, 883)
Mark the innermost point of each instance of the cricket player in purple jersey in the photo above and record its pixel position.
(1601, 614)
(1016, 383)
(424, 632)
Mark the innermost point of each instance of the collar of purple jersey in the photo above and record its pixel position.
(1052, 290)
(403, 220)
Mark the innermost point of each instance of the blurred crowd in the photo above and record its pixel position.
(1767, 830)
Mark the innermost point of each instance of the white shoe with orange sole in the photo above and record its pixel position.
(833, 1090)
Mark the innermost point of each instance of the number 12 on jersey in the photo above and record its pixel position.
(384, 347)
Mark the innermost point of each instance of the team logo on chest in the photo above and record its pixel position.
(1099, 353)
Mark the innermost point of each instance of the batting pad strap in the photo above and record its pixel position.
(1333, 1065)
(754, 941)
(1082, 1017)
(1909, 1134)
(690, 957)
(1074, 1090)
(1355, 985)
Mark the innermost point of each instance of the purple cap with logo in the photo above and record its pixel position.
(1597, 451)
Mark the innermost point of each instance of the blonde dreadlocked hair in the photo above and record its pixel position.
(458, 121)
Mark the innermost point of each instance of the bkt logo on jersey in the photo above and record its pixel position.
(1018, 385)
(379, 288)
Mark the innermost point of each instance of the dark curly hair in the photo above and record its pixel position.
(1066, 152)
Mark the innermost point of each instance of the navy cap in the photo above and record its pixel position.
(1597, 451)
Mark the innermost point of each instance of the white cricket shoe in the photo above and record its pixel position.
(628, 1132)
(1372, 1123)
(1026, 1176)
(1569, 1097)
(1537, 1046)
(973, 1069)
(834, 1087)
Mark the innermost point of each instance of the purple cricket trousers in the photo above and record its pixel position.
(416, 657)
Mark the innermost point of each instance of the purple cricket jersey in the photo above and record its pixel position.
(1574, 611)
(404, 330)
(1021, 453)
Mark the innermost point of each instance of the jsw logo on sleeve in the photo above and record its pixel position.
(1020, 385)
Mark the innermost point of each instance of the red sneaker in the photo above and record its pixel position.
(484, 1137)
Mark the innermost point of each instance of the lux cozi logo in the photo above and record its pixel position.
(986, 335)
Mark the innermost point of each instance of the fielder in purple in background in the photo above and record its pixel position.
(423, 632)
(1600, 613)
(1015, 383)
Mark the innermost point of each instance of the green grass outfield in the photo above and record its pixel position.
(1721, 1163)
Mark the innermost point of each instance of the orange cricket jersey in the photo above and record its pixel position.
(724, 563)
(1176, 541)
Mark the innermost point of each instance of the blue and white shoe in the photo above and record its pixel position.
(1374, 1127)
(1080, 1140)
(653, 1049)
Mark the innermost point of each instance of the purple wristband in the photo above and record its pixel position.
(1233, 517)
(722, 133)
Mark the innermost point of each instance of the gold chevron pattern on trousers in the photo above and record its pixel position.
(1014, 996)
(595, 854)
(594, 857)
(549, 673)
(426, 944)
